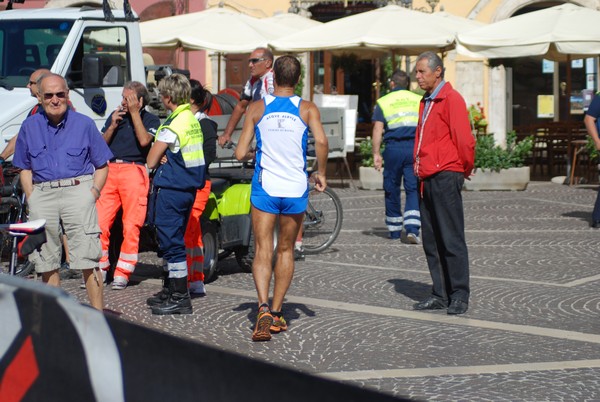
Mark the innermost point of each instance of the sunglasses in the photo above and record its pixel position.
(257, 60)
(59, 95)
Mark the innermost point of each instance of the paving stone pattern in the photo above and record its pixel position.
(532, 331)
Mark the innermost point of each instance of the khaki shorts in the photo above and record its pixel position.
(76, 207)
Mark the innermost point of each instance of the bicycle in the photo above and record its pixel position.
(12, 211)
(322, 221)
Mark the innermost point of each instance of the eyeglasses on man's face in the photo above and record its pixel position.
(59, 95)
(256, 60)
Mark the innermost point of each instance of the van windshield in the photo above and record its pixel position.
(26, 45)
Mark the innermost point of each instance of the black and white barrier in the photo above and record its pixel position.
(54, 349)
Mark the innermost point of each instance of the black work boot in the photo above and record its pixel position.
(162, 296)
(179, 301)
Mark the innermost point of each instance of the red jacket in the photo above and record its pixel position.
(448, 142)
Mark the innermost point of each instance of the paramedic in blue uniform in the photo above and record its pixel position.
(395, 120)
(180, 139)
(280, 185)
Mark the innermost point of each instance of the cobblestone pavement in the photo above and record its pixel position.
(532, 331)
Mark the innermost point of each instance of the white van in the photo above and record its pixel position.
(96, 56)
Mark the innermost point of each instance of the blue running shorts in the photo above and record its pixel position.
(279, 205)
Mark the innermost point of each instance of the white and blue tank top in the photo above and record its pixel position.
(281, 140)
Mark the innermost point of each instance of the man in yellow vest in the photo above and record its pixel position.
(395, 120)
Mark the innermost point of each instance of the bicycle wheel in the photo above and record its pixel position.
(322, 220)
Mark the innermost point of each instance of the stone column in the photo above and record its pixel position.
(497, 104)
(217, 68)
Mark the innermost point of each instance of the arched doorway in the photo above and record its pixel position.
(543, 90)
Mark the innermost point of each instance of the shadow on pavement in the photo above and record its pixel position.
(291, 311)
(376, 231)
(583, 215)
(415, 290)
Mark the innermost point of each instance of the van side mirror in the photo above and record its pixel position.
(93, 71)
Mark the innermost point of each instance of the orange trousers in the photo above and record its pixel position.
(126, 187)
(194, 248)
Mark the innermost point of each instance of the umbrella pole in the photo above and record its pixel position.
(556, 92)
(218, 72)
(377, 78)
(568, 87)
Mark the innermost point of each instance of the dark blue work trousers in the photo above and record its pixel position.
(172, 212)
(443, 235)
(398, 167)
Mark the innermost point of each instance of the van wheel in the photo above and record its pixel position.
(211, 250)
(244, 255)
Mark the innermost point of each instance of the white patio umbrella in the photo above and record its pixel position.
(553, 33)
(216, 29)
(387, 28)
(293, 21)
(457, 23)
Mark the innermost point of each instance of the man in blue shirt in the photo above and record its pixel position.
(64, 161)
(592, 124)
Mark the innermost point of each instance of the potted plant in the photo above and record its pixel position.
(593, 153)
(369, 177)
(477, 117)
(498, 168)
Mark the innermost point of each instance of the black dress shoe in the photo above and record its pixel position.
(458, 307)
(431, 303)
(595, 224)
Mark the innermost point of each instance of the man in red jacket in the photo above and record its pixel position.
(444, 156)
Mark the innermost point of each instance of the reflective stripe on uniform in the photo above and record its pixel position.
(125, 266)
(400, 109)
(403, 119)
(128, 256)
(189, 133)
(394, 223)
(177, 269)
(412, 217)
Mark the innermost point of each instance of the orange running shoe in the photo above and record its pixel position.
(279, 324)
(264, 320)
